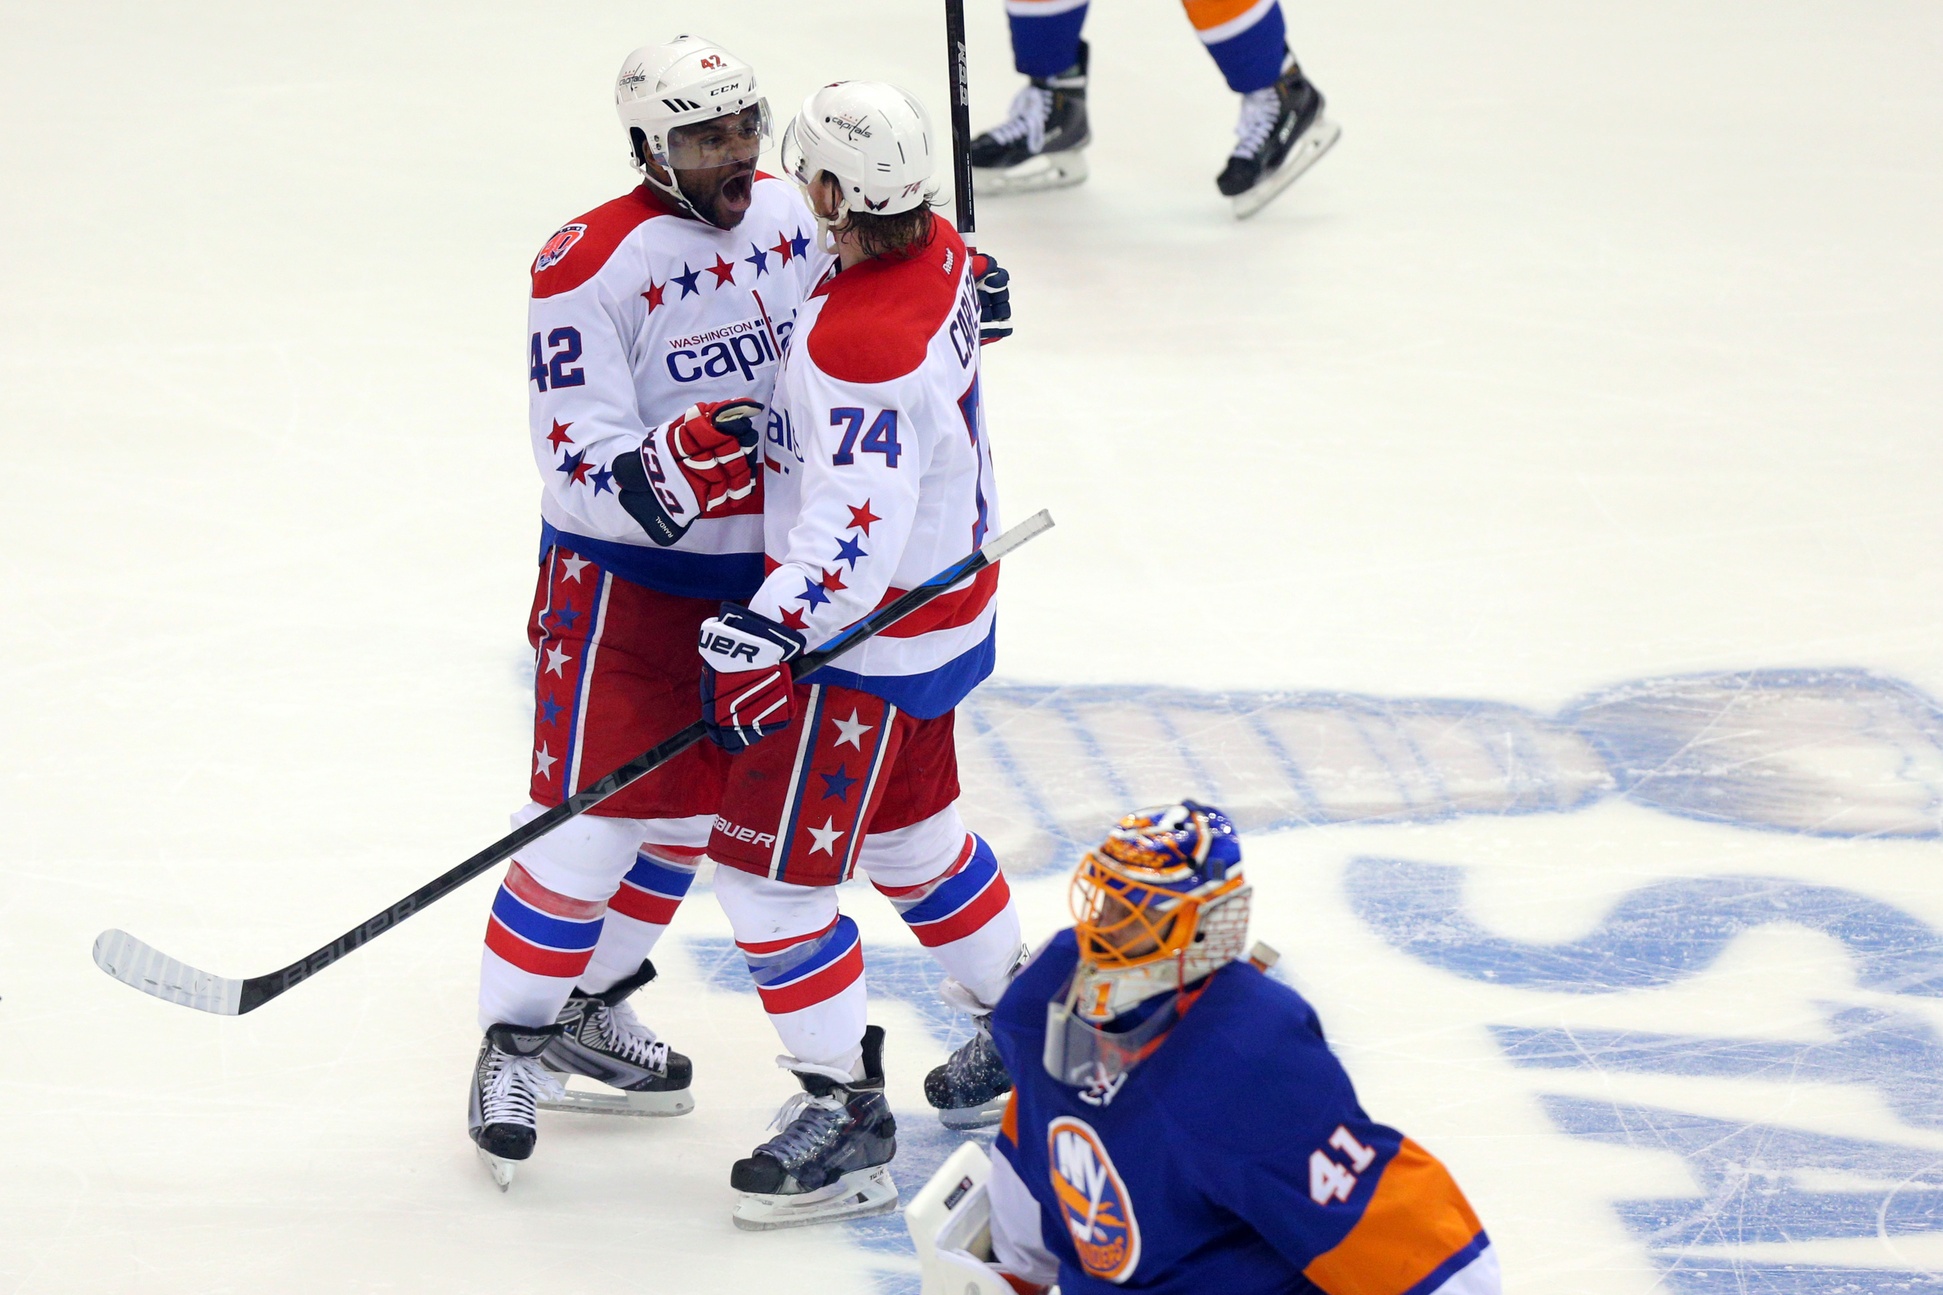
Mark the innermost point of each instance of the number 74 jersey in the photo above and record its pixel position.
(877, 474)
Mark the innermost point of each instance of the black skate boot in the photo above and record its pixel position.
(1282, 133)
(602, 1039)
(830, 1159)
(1042, 144)
(507, 1083)
(969, 1090)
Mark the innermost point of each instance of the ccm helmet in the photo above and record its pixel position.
(687, 81)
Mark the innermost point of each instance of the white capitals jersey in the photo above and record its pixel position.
(877, 475)
(637, 313)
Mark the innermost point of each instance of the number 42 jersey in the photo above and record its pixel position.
(877, 474)
(1234, 1159)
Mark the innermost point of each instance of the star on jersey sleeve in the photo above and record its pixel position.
(858, 497)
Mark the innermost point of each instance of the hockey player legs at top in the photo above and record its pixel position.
(877, 473)
(1179, 1124)
(656, 324)
(1041, 145)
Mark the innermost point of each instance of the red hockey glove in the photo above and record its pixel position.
(747, 690)
(690, 467)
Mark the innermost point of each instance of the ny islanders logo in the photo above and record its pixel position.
(1093, 1200)
(557, 247)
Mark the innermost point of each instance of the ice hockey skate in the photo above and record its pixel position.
(970, 1089)
(508, 1082)
(830, 1160)
(1281, 134)
(602, 1040)
(1042, 144)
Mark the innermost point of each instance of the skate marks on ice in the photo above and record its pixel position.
(1839, 752)
(1760, 1183)
(1656, 935)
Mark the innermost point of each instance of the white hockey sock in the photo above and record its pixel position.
(538, 942)
(965, 917)
(806, 960)
(639, 912)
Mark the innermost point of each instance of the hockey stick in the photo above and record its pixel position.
(146, 968)
(961, 176)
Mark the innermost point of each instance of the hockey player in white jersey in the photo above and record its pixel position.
(656, 324)
(877, 472)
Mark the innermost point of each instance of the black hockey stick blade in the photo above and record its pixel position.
(958, 72)
(144, 967)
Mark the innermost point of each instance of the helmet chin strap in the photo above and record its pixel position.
(672, 189)
(826, 240)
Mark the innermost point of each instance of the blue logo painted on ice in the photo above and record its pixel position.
(1840, 754)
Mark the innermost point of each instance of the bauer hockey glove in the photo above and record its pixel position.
(690, 467)
(994, 286)
(747, 690)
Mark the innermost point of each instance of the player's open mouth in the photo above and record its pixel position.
(738, 188)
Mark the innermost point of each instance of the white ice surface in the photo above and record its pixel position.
(1607, 346)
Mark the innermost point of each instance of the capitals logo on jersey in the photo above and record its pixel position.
(1093, 1200)
(557, 247)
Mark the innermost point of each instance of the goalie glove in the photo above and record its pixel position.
(691, 467)
(952, 1228)
(747, 689)
(994, 284)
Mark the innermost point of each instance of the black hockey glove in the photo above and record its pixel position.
(994, 284)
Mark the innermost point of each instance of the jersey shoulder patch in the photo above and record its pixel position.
(880, 316)
(579, 249)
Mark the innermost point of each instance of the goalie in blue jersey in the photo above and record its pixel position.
(1177, 1122)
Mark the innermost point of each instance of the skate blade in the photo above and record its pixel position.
(1034, 175)
(976, 1117)
(858, 1194)
(616, 1101)
(502, 1169)
(1317, 140)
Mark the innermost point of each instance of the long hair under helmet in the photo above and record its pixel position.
(873, 137)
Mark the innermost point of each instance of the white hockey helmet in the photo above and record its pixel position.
(873, 137)
(683, 82)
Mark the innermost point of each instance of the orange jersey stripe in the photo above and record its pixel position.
(1212, 13)
(1008, 1125)
(1416, 1219)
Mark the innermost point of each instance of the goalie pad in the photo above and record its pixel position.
(951, 1226)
